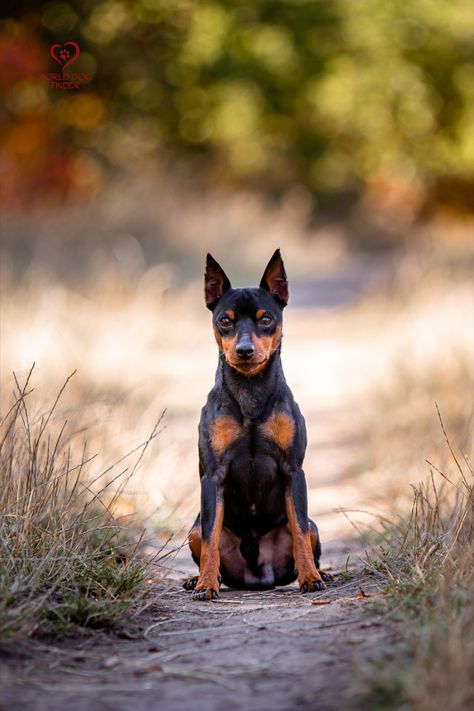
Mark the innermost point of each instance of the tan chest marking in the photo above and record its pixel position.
(223, 431)
(280, 427)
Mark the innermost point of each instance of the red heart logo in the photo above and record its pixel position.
(64, 56)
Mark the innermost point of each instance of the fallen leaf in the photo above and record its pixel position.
(321, 602)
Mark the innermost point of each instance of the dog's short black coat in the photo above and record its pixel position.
(253, 530)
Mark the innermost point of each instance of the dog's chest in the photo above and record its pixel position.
(257, 451)
(254, 484)
(270, 437)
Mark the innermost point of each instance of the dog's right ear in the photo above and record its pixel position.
(274, 279)
(215, 282)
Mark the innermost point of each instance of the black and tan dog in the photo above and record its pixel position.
(253, 531)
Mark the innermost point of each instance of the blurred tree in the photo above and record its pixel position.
(275, 94)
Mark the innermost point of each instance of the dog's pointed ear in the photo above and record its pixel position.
(215, 282)
(274, 279)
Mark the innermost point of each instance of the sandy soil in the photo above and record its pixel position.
(266, 650)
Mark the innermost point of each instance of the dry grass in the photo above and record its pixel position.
(66, 558)
(401, 426)
(428, 562)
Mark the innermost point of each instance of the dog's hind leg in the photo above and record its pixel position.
(315, 542)
(194, 542)
(316, 546)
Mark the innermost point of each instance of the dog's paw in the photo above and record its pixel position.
(204, 593)
(311, 585)
(327, 577)
(311, 582)
(190, 583)
(207, 589)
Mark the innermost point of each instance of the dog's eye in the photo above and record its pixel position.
(225, 322)
(266, 320)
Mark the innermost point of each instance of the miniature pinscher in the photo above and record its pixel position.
(253, 531)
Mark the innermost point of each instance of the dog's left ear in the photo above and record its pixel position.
(274, 279)
(215, 282)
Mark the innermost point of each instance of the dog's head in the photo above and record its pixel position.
(247, 322)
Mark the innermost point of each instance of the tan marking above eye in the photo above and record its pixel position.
(223, 432)
(280, 427)
(260, 313)
(230, 314)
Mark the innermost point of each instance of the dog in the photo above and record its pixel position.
(253, 530)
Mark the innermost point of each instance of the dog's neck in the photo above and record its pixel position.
(251, 393)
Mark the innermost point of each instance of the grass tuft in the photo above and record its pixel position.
(67, 561)
(428, 564)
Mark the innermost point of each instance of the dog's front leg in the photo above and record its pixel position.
(296, 504)
(212, 516)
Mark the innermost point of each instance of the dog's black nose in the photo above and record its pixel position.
(245, 349)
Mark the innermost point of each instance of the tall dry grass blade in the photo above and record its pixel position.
(60, 543)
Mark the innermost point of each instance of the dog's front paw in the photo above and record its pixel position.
(310, 581)
(206, 590)
(311, 585)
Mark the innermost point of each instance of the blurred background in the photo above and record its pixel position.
(340, 132)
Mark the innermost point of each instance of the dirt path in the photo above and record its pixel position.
(272, 650)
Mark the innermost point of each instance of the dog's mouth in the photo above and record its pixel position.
(248, 367)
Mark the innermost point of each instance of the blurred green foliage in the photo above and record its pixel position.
(276, 94)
